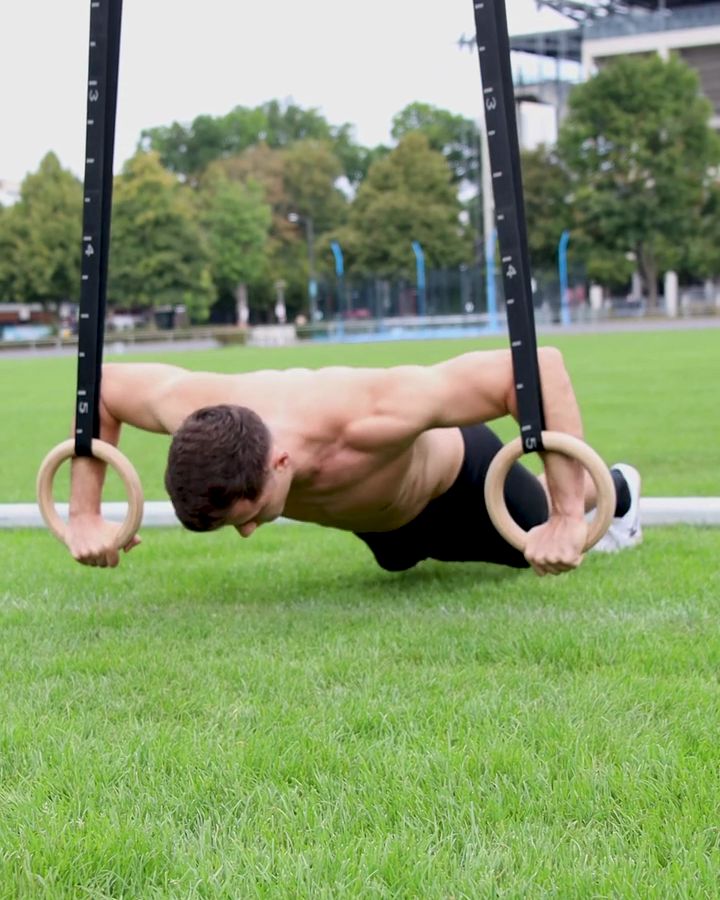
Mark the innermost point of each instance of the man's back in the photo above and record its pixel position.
(359, 465)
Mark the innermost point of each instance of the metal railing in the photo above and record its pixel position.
(646, 22)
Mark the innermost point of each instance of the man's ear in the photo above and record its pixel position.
(281, 460)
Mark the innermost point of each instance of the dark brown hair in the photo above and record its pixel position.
(219, 454)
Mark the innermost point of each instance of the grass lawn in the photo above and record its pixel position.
(279, 718)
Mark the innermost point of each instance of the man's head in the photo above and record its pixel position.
(220, 455)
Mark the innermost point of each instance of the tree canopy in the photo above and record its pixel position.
(546, 188)
(158, 255)
(639, 151)
(457, 138)
(406, 196)
(236, 220)
(187, 149)
(40, 239)
(257, 195)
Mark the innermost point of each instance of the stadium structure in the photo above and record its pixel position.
(603, 29)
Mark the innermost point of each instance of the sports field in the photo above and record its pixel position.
(279, 718)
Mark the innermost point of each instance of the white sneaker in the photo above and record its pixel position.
(624, 531)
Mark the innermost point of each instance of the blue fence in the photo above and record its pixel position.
(447, 292)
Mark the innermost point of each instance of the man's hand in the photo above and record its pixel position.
(556, 546)
(90, 540)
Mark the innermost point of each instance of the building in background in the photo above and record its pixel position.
(547, 64)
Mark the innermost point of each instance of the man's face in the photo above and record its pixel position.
(246, 516)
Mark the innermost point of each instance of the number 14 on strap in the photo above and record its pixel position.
(103, 64)
(493, 45)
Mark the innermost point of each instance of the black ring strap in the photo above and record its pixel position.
(501, 125)
(103, 61)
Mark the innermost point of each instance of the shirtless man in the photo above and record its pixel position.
(398, 456)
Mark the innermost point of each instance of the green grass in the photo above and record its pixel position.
(279, 718)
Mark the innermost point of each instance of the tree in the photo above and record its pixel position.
(40, 237)
(356, 159)
(545, 189)
(285, 255)
(311, 172)
(8, 250)
(288, 122)
(158, 255)
(188, 149)
(236, 220)
(407, 196)
(300, 185)
(262, 165)
(457, 138)
(704, 251)
(638, 147)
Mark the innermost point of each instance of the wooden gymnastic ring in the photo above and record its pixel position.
(107, 453)
(556, 442)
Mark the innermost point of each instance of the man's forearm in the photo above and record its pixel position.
(565, 476)
(86, 480)
(480, 386)
(88, 474)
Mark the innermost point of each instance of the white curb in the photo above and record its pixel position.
(159, 513)
(680, 510)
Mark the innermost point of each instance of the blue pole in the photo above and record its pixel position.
(563, 272)
(338, 254)
(490, 280)
(340, 272)
(420, 269)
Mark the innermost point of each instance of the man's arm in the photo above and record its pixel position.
(478, 387)
(557, 545)
(132, 394)
(475, 387)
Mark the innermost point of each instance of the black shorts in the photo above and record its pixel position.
(455, 527)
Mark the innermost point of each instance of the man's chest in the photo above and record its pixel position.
(356, 490)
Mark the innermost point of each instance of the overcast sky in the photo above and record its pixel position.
(356, 62)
